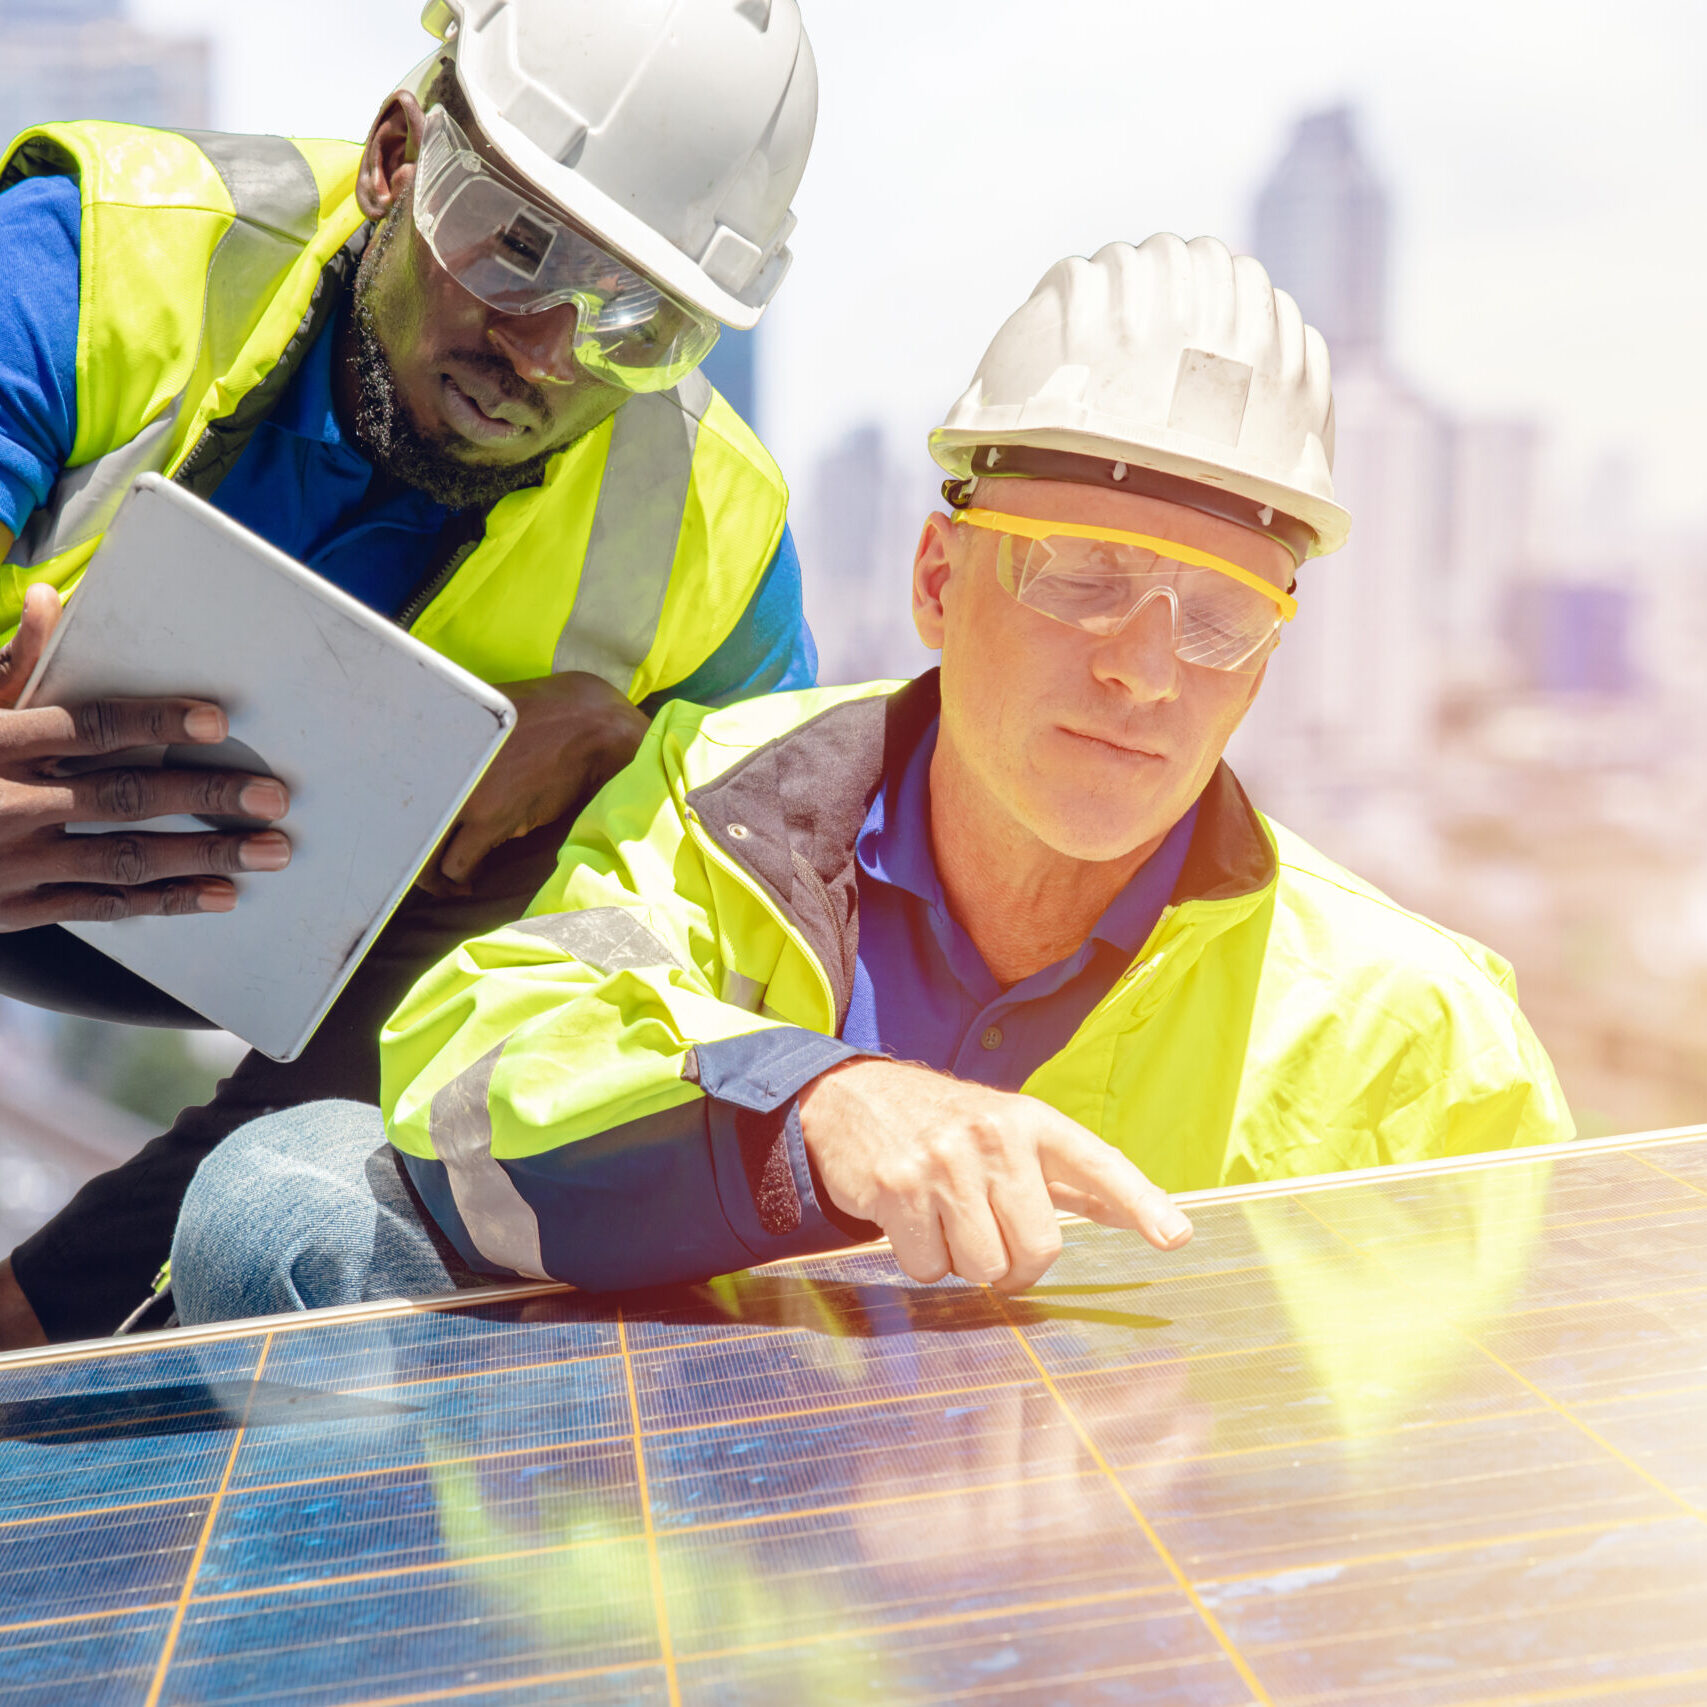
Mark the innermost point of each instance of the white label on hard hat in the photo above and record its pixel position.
(1209, 397)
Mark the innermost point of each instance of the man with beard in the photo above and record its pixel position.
(454, 371)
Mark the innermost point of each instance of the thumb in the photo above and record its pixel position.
(466, 850)
(19, 657)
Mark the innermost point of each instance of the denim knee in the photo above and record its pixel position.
(280, 1216)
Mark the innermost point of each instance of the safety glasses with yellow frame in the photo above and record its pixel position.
(1099, 579)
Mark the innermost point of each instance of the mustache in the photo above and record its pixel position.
(497, 373)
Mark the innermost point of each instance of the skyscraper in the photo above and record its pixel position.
(1321, 228)
(84, 59)
(1353, 693)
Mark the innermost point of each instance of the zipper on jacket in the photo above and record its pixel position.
(438, 578)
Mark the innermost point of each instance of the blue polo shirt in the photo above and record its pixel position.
(299, 483)
(921, 990)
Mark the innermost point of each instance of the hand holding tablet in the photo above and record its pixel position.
(237, 686)
(66, 764)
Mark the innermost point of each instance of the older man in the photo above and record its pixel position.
(937, 962)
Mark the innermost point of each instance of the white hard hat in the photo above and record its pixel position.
(676, 131)
(1172, 357)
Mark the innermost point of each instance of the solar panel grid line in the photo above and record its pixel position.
(1685, 1506)
(1308, 1647)
(86, 1352)
(550, 1680)
(1411, 1554)
(1554, 1470)
(655, 1572)
(1045, 1687)
(391, 1573)
(1621, 1690)
(1692, 1185)
(169, 1645)
(1210, 1622)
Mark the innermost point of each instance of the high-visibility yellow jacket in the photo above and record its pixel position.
(579, 1094)
(211, 264)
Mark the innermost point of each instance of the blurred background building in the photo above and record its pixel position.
(77, 1097)
(79, 59)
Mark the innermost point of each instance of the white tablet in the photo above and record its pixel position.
(379, 739)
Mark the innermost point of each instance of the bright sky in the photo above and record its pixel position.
(1546, 162)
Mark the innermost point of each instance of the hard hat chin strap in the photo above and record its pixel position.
(1030, 462)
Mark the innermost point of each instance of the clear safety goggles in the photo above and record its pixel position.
(519, 259)
(1099, 579)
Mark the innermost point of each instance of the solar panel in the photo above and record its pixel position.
(1417, 1438)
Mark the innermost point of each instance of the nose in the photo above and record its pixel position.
(1140, 659)
(540, 347)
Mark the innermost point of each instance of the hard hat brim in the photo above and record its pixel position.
(952, 449)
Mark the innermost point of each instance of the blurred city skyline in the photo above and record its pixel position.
(1546, 257)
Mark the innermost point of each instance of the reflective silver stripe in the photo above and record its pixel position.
(270, 183)
(632, 547)
(500, 1221)
(83, 500)
(603, 937)
(695, 394)
(740, 991)
(277, 203)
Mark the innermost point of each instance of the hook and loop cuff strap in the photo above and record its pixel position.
(1031, 462)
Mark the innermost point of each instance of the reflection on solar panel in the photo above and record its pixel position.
(1411, 1440)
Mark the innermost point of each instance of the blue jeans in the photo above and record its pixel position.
(301, 1210)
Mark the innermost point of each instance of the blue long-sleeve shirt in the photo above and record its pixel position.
(300, 483)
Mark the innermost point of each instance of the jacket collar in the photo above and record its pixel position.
(790, 812)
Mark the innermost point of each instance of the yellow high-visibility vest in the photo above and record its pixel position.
(211, 263)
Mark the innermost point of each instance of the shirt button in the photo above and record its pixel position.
(992, 1039)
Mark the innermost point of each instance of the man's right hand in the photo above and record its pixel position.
(966, 1179)
(49, 877)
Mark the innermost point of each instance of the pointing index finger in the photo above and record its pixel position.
(1102, 1184)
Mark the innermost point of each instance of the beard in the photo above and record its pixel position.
(388, 434)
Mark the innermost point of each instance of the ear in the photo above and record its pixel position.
(388, 160)
(933, 565)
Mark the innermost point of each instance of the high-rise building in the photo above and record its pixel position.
(82, 59)
(1491, 548)
(1321, 228)
(1353, 692)
(856, 533)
